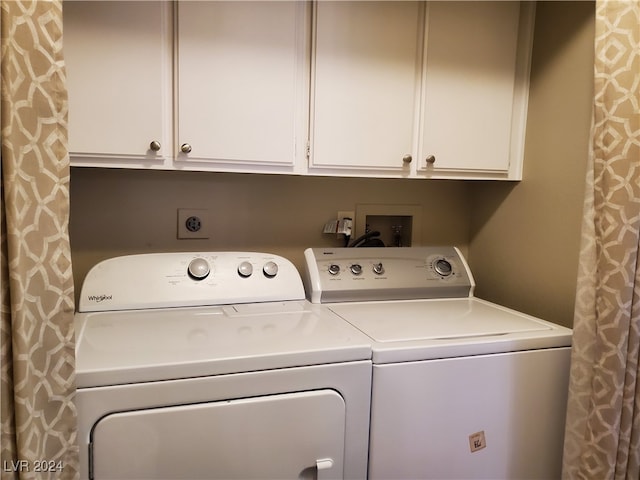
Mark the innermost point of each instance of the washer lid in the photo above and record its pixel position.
(439, 328)
(149, 345)
(434, 320)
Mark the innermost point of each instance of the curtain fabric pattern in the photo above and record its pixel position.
(37, 337)
(602, 439)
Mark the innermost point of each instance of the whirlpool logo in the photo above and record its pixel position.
(99, 298)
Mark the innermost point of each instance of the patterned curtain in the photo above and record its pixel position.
(37, 338)
(602, 439)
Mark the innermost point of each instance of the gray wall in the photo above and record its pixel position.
(525, 237)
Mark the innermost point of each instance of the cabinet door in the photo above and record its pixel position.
(365, 81)
(474, 103)
(241, 83)
(118, 63)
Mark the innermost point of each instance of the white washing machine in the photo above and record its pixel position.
(462, 388)
(213, 365)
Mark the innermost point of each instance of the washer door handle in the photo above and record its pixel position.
(323, 467)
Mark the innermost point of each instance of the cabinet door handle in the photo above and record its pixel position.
(185, 148)
(431, 159)
(155, 146)
(407, 159)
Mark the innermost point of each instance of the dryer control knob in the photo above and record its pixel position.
(198, 269)
(270, 269)
(245, 269)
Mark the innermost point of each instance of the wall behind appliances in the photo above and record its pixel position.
(118, 212)
(525, 237)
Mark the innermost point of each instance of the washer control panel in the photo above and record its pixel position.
(161, 280)
(365, 274)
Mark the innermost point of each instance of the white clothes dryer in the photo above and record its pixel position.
(462, 388)
(213, 365)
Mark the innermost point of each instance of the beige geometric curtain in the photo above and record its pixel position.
(602, 439)
(37, 339)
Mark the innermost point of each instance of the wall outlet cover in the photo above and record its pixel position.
(194, 223)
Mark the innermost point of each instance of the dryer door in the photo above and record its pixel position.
(278, 436)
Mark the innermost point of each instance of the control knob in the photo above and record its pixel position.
(245, 269)
(334, 269)
(378, 268)
(356, 269)
(443, 267)
(270, 269)
(198, 269)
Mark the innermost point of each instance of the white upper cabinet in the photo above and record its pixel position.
(365, 86)
(354, 88)
(118, 63)
(241, 84)
(475, 88)
(428, 90)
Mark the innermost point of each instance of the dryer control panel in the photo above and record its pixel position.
(161, 280)
(367, 274)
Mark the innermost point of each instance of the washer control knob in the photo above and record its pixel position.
(198, 269)
(378, 268)
(443, 267)
(270, 269)
(356, 269)
(245, 269)
(334, 269)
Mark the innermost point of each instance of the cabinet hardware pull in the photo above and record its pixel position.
(185, 148)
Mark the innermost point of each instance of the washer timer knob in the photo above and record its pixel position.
(198, 269)
(443, 267)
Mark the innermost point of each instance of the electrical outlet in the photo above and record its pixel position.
(345, 227)
(193, 223)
